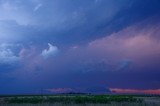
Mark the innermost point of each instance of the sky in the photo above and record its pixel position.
(91, 46)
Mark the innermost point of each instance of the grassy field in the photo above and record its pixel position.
(80, 100)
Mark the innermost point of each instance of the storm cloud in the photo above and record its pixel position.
(63, 45)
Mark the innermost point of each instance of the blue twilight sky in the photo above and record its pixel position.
(79, 46)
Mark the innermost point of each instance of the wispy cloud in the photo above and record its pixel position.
(37, 7)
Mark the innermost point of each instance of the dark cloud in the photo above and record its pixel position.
(68, 22)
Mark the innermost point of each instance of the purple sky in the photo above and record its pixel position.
(79, 46)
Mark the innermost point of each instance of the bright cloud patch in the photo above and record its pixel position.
(51, 51)
(7, 55)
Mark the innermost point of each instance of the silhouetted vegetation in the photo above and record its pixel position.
(71, 99)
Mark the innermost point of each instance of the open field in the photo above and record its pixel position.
(80, 100)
